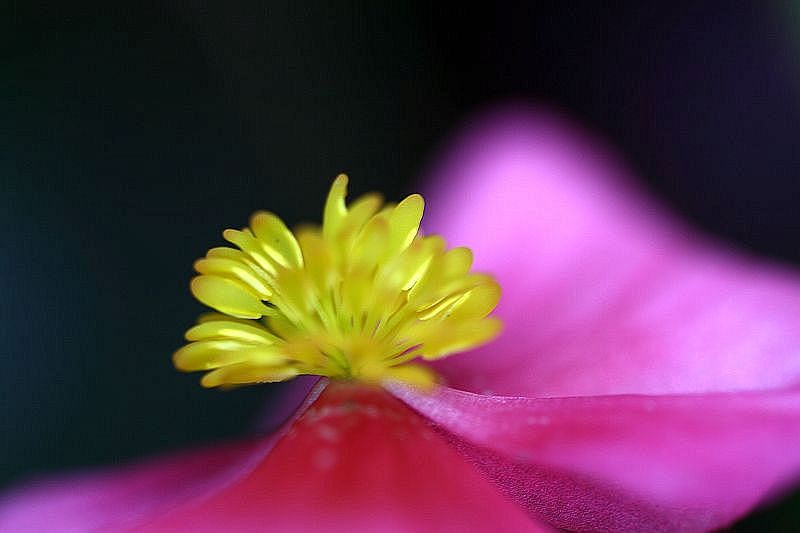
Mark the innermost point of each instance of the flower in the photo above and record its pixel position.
(647, 378)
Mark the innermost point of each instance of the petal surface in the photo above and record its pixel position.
(683, 462)
(120, 499)
(603, 292)
(357, 460)
(123, 498)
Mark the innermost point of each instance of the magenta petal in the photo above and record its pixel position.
(120, 499)
(690, 462)
(123, 498)
(357, 460)
(603, 293)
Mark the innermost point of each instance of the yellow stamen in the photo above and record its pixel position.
(358, 299)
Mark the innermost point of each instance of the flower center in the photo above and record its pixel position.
(360, 298)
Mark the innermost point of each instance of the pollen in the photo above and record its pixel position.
(365, 298)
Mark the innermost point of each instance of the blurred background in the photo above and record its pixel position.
(131, 135)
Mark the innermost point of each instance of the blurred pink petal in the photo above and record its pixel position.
(118, 499)
(681, 462)
(356, 460)
(603, 293)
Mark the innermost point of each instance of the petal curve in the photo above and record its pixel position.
(357, 460)
(120, 499)
(603, 291)
(682, 462)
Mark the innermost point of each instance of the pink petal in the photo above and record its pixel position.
(682, 462)
(357, 460)
(115, 500)
(119, 499)
(603, 293)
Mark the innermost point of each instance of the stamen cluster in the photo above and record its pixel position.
(358, 299)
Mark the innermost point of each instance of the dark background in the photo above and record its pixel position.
(130, 136)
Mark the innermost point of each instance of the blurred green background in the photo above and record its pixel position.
(131, 134)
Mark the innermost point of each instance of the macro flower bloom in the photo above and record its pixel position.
(646, 377)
